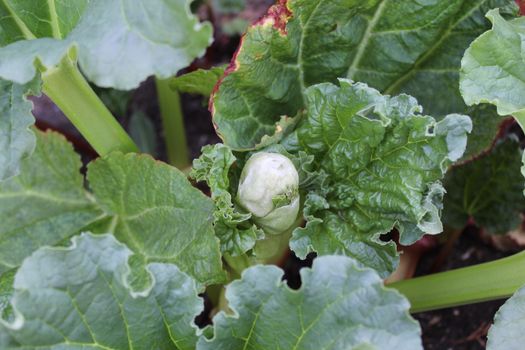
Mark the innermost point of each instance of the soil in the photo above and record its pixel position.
(465, 327)
(458, 328)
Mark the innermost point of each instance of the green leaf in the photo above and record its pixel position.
(236, 233)
(384, 160)
(339, 306)
(16, 139)
(142, 131)
(487, 190)
(507, 331)
(116, 46)
(6, 292)
(45, 204)
(158, 214)
(394, 46)
(498, 77)
(80, 297)
(201, 81)
(21, 19)
(115, 100)
(486, 127)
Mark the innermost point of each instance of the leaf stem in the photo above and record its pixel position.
(68, 89)
(489, 281)
(173, 124)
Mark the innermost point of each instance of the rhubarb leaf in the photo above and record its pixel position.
(116, 46)
(35, 36)
(45, 204)
(119, 48)
(80, 297)
(507, 331)
(393, 46)
(384, 160)
(339, 306)
(487, 190)
(493, 69)
(236, 233)
(201, 81)
(158, 214)
(17, 141)
(21, 20)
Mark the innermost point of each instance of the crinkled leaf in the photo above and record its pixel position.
(117, 47)
(79, 297)
(394, 46)
(384, 160)
(45, 204)
(17, 141)
(158, 214)
(236, 233)
(507, 331)
(487, 190)
(339, 306)
(493, 69)
(201, 81)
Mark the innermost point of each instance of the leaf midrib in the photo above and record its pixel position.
(392, 87)
(366, 37)
(53, 16)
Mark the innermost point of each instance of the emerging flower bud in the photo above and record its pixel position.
(269, 189)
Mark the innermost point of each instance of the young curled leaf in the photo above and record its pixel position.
(232, 224)
(384, 160)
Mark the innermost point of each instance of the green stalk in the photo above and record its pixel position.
(68, 89)
(237, 264)
(173, 124)
(489, 281)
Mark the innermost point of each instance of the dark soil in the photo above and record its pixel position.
(465, 327)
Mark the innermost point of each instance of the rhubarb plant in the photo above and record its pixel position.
(339, 122)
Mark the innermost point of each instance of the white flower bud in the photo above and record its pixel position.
(267, 179)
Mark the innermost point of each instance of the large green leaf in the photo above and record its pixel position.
(80, 297)
(17, 141)
(45, 204)
(493, 69)
(339, 306)
(157, 213)
(123, 42)
(384, 160)
(394, 46)
(509, 322)
(120, 42)
(487, 190)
